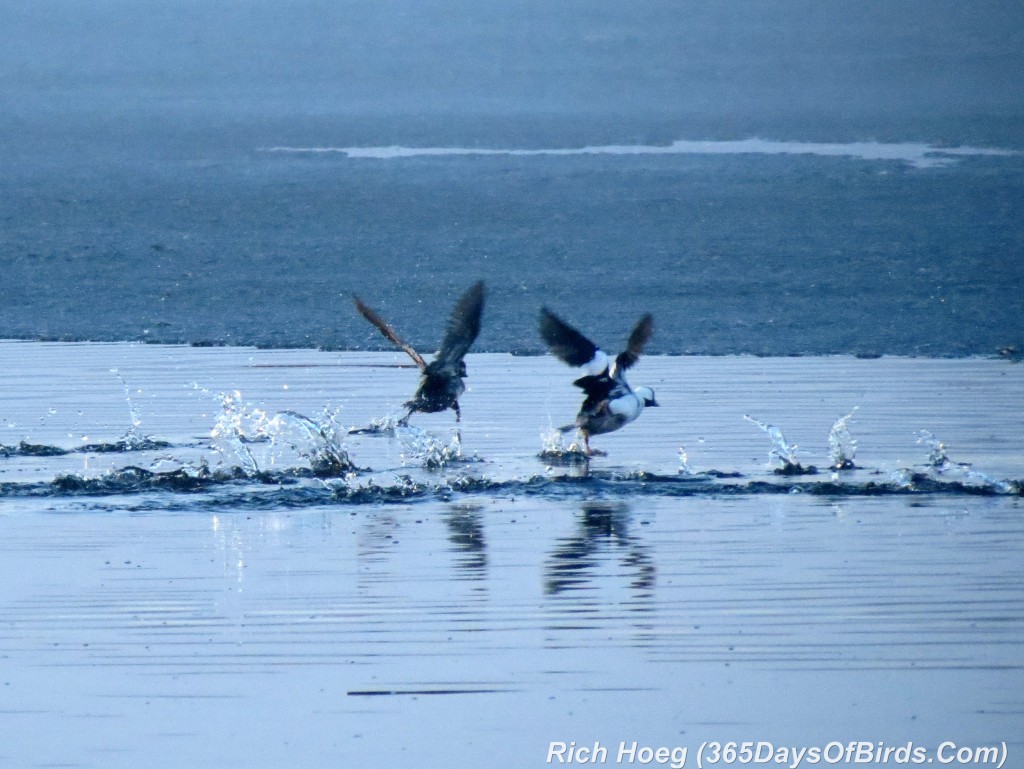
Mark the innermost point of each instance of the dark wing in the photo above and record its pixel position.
(597, 388)
(389, 332)
(637, 341)
(568, 344)
(463, 325)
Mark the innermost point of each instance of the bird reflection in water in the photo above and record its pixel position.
(602, 531)
(466, 534)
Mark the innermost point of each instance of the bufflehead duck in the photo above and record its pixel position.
(442, 383)
(610, 403)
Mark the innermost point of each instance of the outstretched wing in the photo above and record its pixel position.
(597, 388)
(463, 325)
(389, 332)
(567, 344)
(637, 341)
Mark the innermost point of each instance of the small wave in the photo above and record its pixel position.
(25, 449)
(296, 488)
(916, 154)
(124, 445)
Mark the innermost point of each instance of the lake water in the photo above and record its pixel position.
(769, 178)
(201, 566)
(471, 613)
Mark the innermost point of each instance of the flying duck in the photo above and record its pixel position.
(442, 383)
(610, 403)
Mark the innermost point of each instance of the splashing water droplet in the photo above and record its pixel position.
(554, 450)
(237, 425)
(939, 461)
(842, 446)
(684, 464)
(902, 478)
(781, 451)
(423, 448)
(551, 441)
(937, 456)
(318, 441)
(1006, 487)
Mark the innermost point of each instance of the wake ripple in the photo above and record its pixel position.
(125, 445)
(300, 488)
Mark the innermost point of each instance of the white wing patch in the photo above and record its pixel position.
(597, 365)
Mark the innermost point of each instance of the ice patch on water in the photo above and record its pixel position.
(916, 154)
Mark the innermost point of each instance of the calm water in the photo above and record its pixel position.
(797, 177)
(284, 620)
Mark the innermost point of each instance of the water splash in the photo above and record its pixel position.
(842, 446)
(237, 425)
(283, 436)
(132, 411)
(133, 439)
(422, 448)
(938, 459)
(552, 442)
(941, 464)
(782, 454)
(318, 441)
(684, 464)
(555, 452)
(986, 480)
(902, 478)
(386, 424)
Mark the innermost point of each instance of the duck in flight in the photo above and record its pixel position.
(442, 383)
(610, 403)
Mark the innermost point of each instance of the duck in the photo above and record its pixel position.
(442, 382)
(610, 403)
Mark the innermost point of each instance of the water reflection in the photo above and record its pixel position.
(466, 533)
(602, 534)
(377, 540)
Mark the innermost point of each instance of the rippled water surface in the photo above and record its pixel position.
(225, 605)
